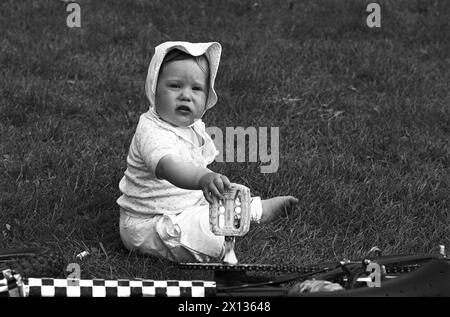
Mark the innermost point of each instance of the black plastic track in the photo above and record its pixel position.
(32, 262)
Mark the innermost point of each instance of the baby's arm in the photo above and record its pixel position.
(189, 176)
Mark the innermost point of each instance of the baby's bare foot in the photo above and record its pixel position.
(276, 207)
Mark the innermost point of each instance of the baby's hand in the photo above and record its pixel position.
(213, 184)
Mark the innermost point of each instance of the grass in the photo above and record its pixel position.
(363, 113)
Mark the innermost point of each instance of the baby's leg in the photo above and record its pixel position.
(182, 238)
(195, 237)
(276, 207)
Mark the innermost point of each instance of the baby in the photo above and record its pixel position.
(167, 186)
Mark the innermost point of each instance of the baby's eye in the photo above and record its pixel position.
(197, 88)
(174, 85)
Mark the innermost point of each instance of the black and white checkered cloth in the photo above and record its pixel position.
(12, 285)
(48, 287)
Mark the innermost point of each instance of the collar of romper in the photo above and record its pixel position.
(198, 126)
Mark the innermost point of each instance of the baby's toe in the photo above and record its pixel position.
(292, 201)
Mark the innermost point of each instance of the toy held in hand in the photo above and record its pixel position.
(231, 217)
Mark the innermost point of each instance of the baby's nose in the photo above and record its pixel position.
(185, 95)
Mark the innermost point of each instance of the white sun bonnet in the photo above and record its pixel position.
(212, 51)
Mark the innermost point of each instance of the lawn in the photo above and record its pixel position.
(363, 115)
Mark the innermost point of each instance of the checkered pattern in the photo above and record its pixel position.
(11, 284)
(48, 287)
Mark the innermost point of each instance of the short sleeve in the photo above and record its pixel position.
(153, 143)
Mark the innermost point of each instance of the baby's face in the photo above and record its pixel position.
(181, 92)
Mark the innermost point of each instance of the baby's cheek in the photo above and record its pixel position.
(201, 110)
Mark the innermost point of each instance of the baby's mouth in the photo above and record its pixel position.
(183, 109)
